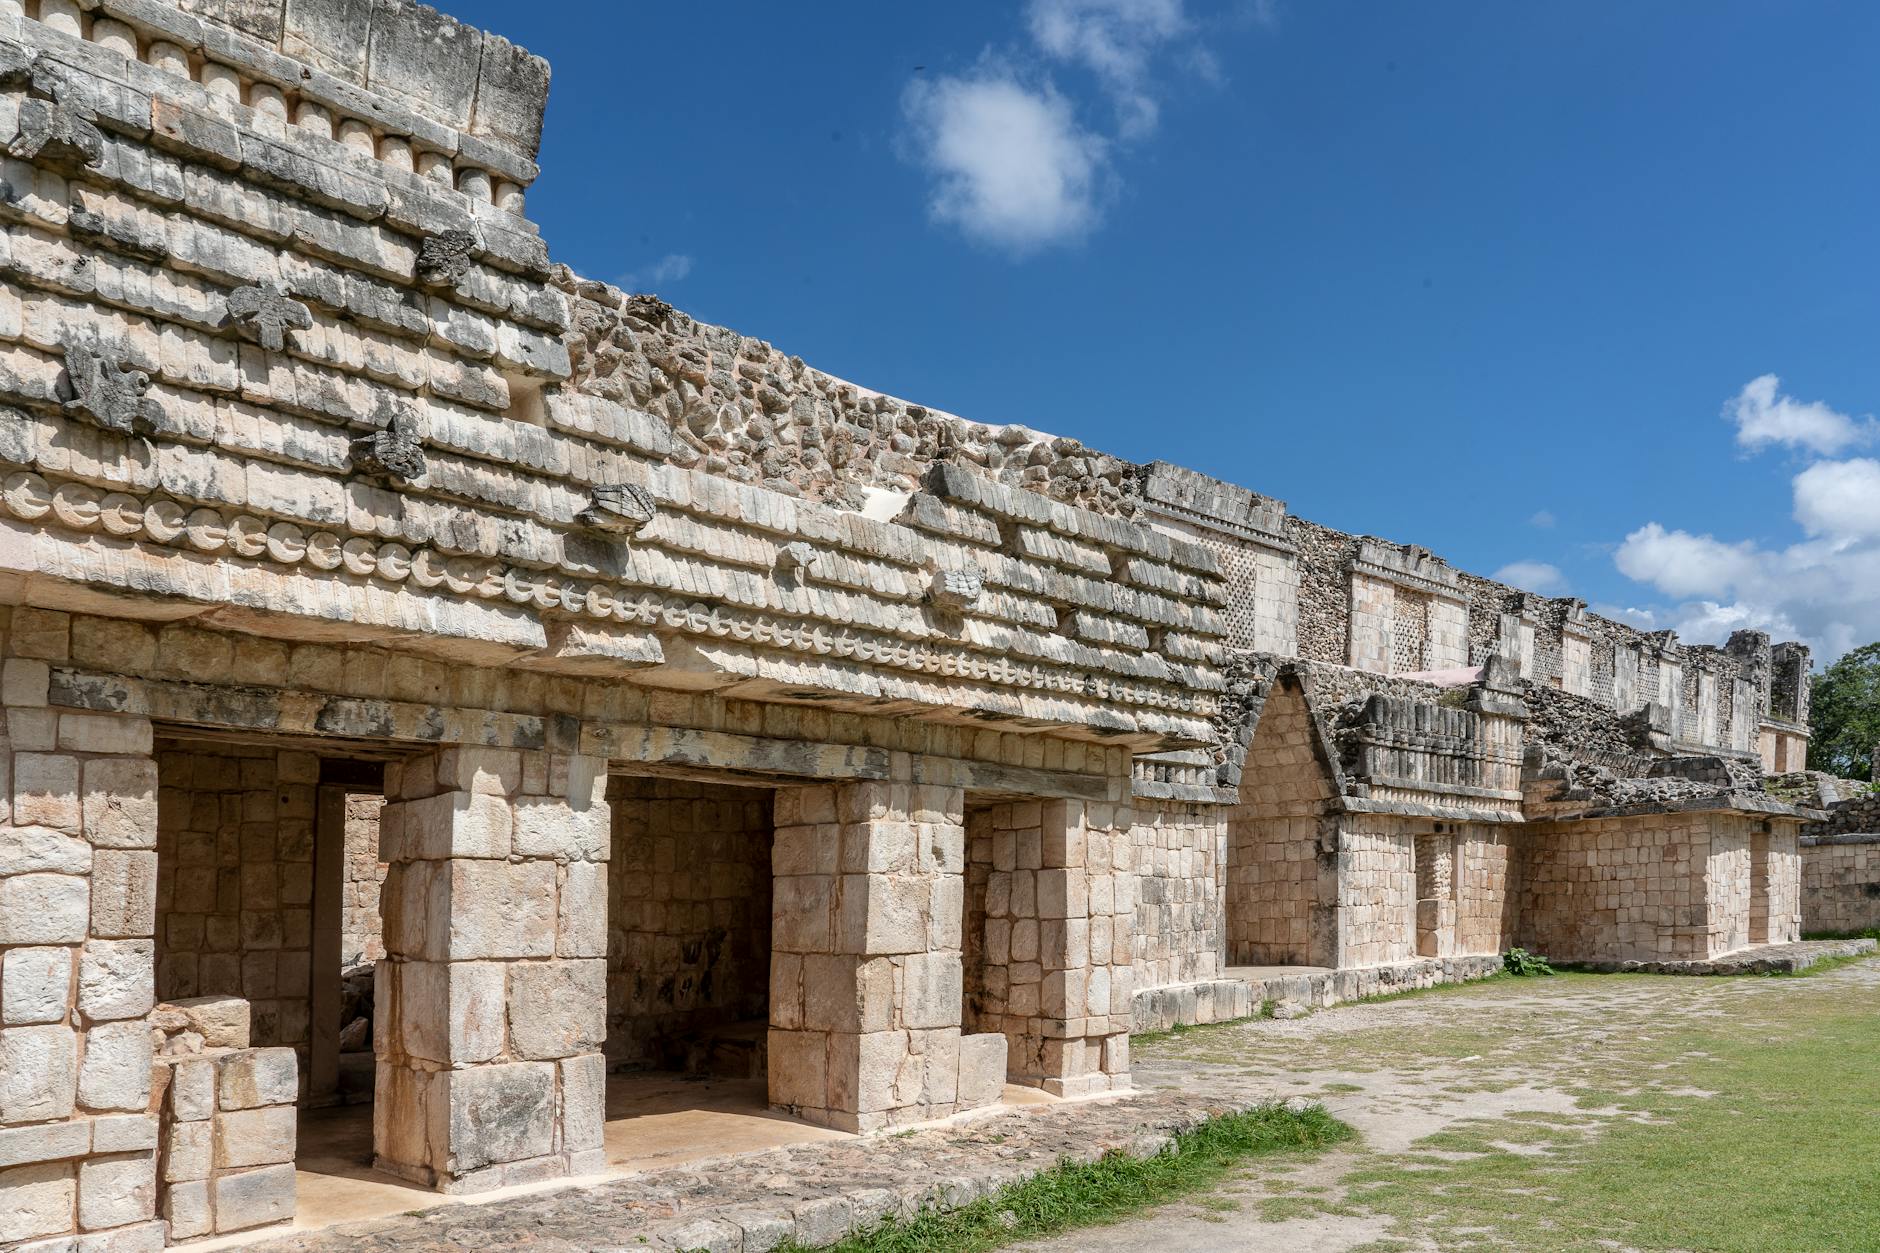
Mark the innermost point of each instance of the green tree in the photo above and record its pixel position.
(1845, 711)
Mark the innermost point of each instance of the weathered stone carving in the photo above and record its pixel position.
(955, 590)
(444, 258)
(107, 393)
(56, 130)
(395, 452)
(619, 508)
(264, 314)
(796, 560)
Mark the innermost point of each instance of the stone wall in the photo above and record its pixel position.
(235, 882)
(1487, 888)
(1278, 884)
(1178, 850)
(362, 936)
(1376, 916)
(688, 916)
(1654, 886)
(1840, 883)
(78, 898)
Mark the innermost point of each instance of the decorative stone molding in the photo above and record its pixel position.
(619, 509)
(444, 258)
(954, 589)
(83, 508)
(395, 453)
(265, 313)
(106, 393)
(56, 130)
(797, 560)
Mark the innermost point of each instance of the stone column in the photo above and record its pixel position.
(1059, 918)
(865, 990)
(78, 898)
(492, 996)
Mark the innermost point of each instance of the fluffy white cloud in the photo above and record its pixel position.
(1532, 576)
(1011, 165)
(1840, 499)
(668, 269)
(1544, 519)
(1678, 563)
(1764, 416)
(1115, 40)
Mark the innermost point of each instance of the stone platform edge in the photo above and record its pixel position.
(1773, 959)
(1226, 1000)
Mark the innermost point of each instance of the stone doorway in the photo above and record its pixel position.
(267, 869)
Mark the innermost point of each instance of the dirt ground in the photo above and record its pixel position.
(1578, 1111)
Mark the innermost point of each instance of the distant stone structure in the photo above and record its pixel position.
(373, 590)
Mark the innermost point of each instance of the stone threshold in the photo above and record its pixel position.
(1762, 959)
(1243, 990)
(813, 1193)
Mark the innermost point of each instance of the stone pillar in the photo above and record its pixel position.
(865, 989)
(78, 899)
(1059, 919)
(492, 997)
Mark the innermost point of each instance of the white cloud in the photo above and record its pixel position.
(1532, 576)
(1544, 519)
(1764, 416)
(1678, 563)
(1839, 499)
(1115, 40)
(1012, 166)
(670, 268)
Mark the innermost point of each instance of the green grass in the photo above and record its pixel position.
(1870, 933)
(1075, 1194)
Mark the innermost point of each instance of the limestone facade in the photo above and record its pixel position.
(630, 693)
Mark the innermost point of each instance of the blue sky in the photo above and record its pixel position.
(1585, 291)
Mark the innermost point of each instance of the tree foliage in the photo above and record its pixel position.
(1845, 711)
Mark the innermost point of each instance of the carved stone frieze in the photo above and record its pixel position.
(444, 258)
(56, 129)
(395, 452)
(619, 508)
(955, 589)
(797, 559)
(264, 314)
(106, 393)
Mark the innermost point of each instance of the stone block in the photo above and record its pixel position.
(253, 1198)
(260, 1076)
(255, 1137)
(123, 894)
(221, 1021)
(24, 850)
(800, 914)
(450, 824)
(798, 1065)
(878, 914)
(581, 910)
(117, 979)
(191, 1092)
(931, 990)
(845, 993)
(557, 1008)
(874, 1072)
(185, 1206)
(550, 827)
(120, 802)
(117, 1190)
(39, 1200)
(502, 1113)
(445, 1012)
(104, 734)
(44, 909)
(44, 1142)
(982, 1069)
(583, 1102)
(38, 1073)
(501, 909)
(45, 791)
(35, 985)
(188, 1151)
(483, 771)
(116, 1070)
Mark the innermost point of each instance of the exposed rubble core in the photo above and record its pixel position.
(436, 680)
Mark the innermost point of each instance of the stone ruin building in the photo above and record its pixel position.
(434, 679)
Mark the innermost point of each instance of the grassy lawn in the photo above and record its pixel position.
(1687, 1114)
(1077, 1195)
